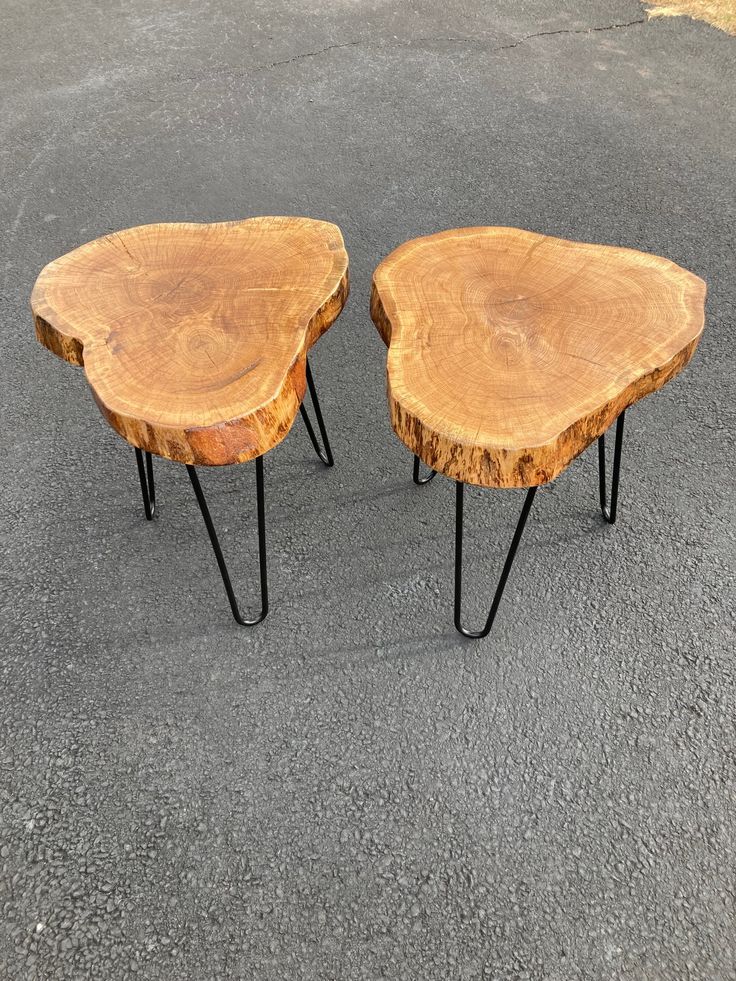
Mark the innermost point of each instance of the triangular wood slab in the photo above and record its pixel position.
(194, 337)
(510, 352)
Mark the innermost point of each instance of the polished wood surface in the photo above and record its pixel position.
(510, 352)
(194, 336)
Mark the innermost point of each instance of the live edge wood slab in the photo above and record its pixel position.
(194, 337)
(510, 352)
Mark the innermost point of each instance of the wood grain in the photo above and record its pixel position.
(510, 352)
(194, 337)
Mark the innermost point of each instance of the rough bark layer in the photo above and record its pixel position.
(194, 337)
(510, 352)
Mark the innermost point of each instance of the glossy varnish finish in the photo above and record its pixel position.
(510, 352)
(194, 337)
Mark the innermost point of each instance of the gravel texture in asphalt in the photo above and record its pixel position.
(351, 790)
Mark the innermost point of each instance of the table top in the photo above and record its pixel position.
(510, 352)
(194, 337)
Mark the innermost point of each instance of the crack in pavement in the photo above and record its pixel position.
(403, 44)
(580, 30)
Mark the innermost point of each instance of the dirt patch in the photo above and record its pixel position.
(720, 13)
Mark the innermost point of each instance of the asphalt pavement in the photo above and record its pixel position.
(352, 790)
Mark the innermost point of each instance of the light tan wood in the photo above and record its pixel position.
(194, 336)
(510, 352)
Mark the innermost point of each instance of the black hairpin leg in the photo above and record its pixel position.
(609, 513)
(148, 489)
(476, 634)
(417, 478)
(326, 454)
(218, 551)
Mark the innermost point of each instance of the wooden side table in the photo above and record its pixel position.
(194, 340)
(510, 352)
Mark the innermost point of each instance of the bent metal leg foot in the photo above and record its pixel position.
(218, 551)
